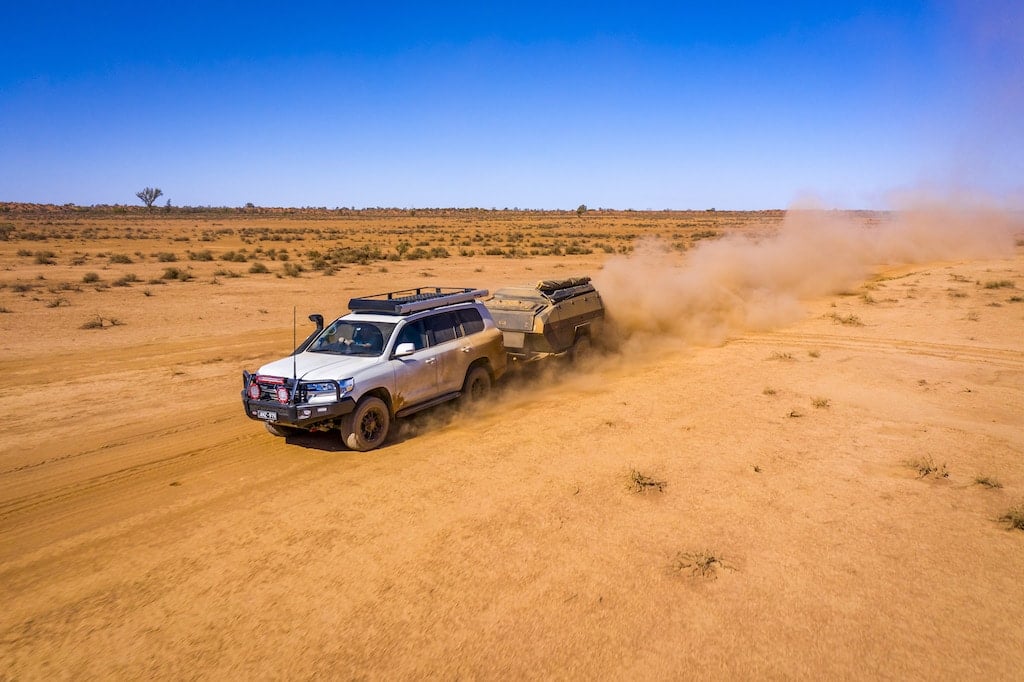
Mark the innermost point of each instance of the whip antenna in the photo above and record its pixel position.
(295, 369)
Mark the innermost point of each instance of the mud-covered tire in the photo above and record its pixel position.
(366, 427)
(477, 385)
(280, 430)
(582, 350)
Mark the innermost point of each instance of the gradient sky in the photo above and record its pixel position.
(638, 105)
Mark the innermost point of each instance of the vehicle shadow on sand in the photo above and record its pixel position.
(440, 416)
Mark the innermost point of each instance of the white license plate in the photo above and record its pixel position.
(266, 415)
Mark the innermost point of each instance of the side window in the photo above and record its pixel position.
(440, 328)
(471, 321)
(413, 333)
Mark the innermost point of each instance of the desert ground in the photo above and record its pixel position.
(770, 476)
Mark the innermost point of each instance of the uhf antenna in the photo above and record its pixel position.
(295, 368)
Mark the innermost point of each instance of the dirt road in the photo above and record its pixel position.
(782, 526)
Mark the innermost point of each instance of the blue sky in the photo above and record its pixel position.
(531, 105)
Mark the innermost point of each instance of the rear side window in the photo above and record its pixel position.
(440, 328)
(470, 320)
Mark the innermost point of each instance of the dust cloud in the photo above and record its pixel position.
(757, 282)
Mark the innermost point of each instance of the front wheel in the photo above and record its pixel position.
(366, 427)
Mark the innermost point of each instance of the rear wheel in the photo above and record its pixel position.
(366, 427)
(477, 385)
(280, 430)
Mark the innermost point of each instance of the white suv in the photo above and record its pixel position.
(395, 354)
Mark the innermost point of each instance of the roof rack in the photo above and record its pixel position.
(409, 301)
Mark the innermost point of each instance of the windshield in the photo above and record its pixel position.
(348, 337)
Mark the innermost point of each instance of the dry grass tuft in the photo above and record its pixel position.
(1014, 517)
(850, 320)
(641, 483)
(699, 564)
(925, 466)
(987, 481)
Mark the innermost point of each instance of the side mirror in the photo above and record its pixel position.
(318, 320)
(405, 349)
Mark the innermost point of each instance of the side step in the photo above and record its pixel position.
(413, 409)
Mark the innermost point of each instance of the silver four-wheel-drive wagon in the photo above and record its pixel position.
(395, 354)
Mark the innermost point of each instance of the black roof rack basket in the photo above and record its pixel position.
(409, 301)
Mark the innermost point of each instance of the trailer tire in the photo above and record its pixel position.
(366, 427)
(582, 350)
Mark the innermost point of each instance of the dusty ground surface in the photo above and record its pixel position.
(755, 507)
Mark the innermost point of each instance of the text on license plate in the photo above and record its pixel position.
(266, 415)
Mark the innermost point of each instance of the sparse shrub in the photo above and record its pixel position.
(821, 403)
(987, 481)
(57, 302)
(125, 281)
(258, 268)
(100, 322)
(292, 269)
(700, 564)
(641, 483)
(925, 466)
(166, 257)
(768, 390)
(120, 259)
(776, 355)
(204, 255)
(849, 320)
(814, 353)
(1000, 284)
(1014, 517)
(177, 273)
(45, 258)
(4, 309)
(90, 278)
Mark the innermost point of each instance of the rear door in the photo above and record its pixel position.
(443, 335)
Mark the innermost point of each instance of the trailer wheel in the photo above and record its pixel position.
(366, 427)
(280, 430)
(582, 351)
(477, 385)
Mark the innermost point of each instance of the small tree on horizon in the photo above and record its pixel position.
(581, 209)
(149, 195)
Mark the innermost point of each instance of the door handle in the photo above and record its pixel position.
(430, 361)
(466, 349)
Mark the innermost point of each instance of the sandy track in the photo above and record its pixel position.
(187, 542)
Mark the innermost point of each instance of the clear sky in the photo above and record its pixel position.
(733, 105)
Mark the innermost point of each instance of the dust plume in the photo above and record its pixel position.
(754, 283)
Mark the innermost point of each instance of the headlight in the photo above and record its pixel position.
(322, 388)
